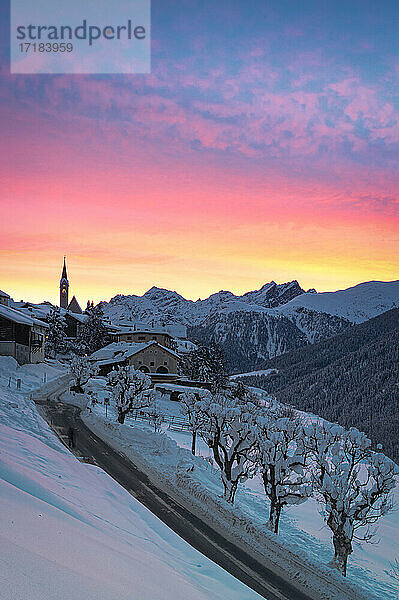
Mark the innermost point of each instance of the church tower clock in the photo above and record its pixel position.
(64, 287)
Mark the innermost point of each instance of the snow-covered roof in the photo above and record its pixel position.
(121, 351)
(77, 316)
(41, 311)
(168, 350)
(17, 316)
(4, 295)
(118, 348)
(131, 330)
(33, 313)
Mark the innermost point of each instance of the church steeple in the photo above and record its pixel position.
(64, 287)
(64, 271)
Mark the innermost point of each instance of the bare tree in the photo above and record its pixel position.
(155, 415)
(82, 369)
(228, 428)
(188, 402)
(353, 482)
(130, 390)
(281, 459)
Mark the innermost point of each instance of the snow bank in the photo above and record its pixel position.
(31, 376)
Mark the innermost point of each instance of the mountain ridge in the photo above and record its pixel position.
(261, 323)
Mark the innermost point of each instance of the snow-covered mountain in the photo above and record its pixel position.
(357, 304)
(262, 323)
(158, 304)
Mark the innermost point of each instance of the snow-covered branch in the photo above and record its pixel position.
(228, 429)
(188, 402)
(130, 389)
(82, 369)
(281, 457)
(353, 482)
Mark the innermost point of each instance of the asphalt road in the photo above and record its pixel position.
(191, 528)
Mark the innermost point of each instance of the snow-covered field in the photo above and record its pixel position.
(302, 529)
(68, 531)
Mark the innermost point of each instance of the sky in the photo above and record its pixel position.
(264, 145)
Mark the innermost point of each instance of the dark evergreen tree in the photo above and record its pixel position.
(93, 334)
(56, 337)
(206, 364)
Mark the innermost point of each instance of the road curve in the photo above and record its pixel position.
(192, 529)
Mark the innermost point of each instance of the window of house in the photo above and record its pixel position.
(152, 363)
(165, 362)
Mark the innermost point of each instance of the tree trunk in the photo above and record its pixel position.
(274, 516)
(121, 417)
(269, 481)
(342, 549)
(230, 488)
(193, 441)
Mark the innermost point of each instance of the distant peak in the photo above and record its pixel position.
(156, 292)
(266, 286)
(222, 294)
(154, 289)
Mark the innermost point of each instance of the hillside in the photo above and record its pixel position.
(263, 323)
(352, 378)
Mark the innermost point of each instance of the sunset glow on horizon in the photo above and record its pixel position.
(272, 155)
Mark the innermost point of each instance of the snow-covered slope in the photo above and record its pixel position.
(68, 531)
(357, 304)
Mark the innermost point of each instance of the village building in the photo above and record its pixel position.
(21, 336)
(37, 311)
(123, 334)
(64, 287)
(74, 307)
(149, 357)
(4, 298)
(172, 336)
(74, 323)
